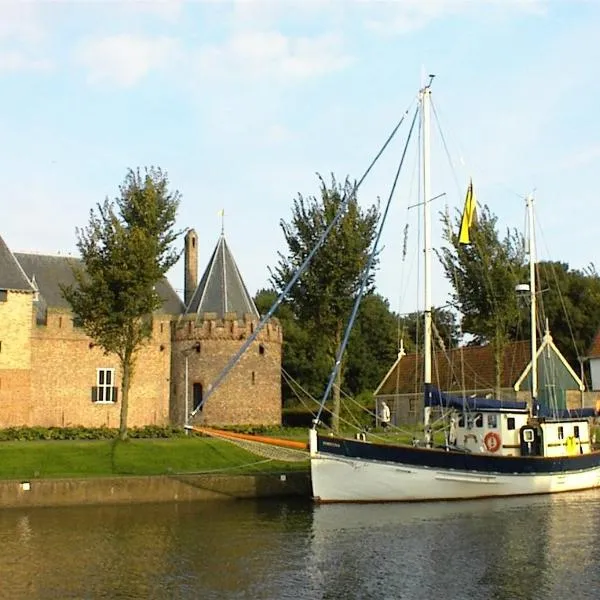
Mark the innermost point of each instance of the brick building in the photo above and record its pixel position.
(52, 374)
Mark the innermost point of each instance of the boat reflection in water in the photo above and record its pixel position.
(527, 547)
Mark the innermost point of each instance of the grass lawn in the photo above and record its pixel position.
(41, 459)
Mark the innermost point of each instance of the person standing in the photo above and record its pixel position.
(384, 414)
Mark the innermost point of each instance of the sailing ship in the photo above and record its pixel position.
(495, 448)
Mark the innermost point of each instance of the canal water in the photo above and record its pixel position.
(542, 547)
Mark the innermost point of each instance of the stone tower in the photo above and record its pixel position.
(220, 315)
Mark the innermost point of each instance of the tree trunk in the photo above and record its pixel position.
(125, 382)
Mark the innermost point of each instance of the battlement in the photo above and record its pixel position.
(208, 326)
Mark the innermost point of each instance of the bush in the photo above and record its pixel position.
(301, 417)
(19, 434)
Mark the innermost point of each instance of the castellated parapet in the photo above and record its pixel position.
(251, 392)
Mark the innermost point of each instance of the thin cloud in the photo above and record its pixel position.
(397, 18)
(125, 60)
(14, 61)
(20, 22)
(256, 55)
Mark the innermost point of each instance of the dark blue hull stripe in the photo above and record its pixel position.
(459, 461)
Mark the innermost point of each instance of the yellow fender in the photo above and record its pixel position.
(571, 445)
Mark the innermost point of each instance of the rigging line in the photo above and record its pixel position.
(365, 276)
(344, 202)
(446, 150)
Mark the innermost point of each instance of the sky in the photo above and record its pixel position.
(244, 102)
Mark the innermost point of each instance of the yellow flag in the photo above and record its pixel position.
(468, 216)
(221, 213)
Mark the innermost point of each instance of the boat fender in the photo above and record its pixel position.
(492, 441)
(571, 444)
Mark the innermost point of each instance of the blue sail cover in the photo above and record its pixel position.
(434, 397)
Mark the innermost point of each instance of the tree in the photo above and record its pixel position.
(325, 293)
(126, 249)
(373, 345)
(483, 276)
(446, 330)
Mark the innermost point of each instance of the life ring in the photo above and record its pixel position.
(492, 441)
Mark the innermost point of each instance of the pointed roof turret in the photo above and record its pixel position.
(12, 276)
(221, 289)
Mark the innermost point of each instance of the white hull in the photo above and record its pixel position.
(339, 479)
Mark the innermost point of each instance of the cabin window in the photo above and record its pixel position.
(478, 420)
(253, 377)
(510, 423)
(492, 421)
(261, 349)
(576, 431)
(197, 396)
(3, 296)
(105, 391)
(561, 433)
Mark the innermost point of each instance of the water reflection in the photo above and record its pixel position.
(529, 548)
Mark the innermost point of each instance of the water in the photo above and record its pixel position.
(521, 548)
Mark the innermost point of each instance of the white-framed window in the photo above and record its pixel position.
(105, 390)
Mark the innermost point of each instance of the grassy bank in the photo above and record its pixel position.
(97, 458)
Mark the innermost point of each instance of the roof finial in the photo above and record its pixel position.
(222, 215)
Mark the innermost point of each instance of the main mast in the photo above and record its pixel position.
(533, 307)
(425, 97)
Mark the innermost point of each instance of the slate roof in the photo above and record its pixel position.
(12, 276)
(447, 374)
(48, 272)
(221, 289)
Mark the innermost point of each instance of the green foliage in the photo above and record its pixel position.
(325, 293)
(483, 275)
(446, 329)
(126, 249)
(569, 300)
(86, 433)
(373, 345)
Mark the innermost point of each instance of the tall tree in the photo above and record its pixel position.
(324, 295)
(126, 249)
(483, 276)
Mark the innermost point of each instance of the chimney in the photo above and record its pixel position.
(191, 266)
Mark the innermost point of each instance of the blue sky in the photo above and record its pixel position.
(243, 102)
